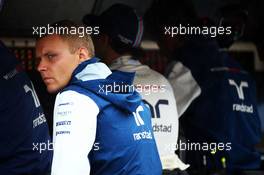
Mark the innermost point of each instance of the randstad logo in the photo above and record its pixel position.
(239, 88)
(137, 116)
(241, 107)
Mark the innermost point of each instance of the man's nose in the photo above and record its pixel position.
(42, 66)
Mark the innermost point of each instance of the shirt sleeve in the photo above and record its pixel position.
(74, 131)
(184, 86)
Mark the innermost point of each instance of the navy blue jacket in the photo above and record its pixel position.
(226, 110)
(23, 126)
(124, 131)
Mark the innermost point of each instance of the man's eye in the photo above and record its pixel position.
(50, 56)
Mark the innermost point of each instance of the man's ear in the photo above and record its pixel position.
(83, 54)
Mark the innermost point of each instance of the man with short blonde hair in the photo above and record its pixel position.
(98, 128)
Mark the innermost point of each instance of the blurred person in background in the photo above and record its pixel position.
(25, 145)
(224, 111)
(121, 30)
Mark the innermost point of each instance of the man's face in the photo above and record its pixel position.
(56, 62)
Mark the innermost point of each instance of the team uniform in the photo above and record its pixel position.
(23, 126)
(224, 113)
(158, 95)
(101, 125)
